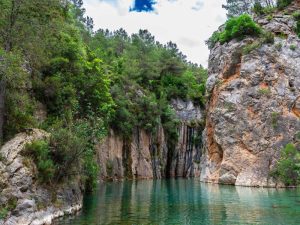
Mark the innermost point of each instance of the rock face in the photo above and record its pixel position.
(22, 197)
(148, 156)
(254, 106)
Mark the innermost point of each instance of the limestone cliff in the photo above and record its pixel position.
(22, 199)
(253, 106)
(152, 156)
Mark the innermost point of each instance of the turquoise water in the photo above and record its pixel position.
(186, 202)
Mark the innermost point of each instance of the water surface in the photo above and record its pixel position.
(186, 202)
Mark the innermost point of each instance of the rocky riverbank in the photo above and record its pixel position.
(23, 199)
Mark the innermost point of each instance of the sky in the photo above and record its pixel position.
(188, 23)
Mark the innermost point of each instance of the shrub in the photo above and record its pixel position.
(288, 166)
(250, 47)
(278, 46)
(258, 8)
(74, 152)
(293, 47)
(236, 27)
(296, 15)
(239, 27)
(3, 212)
(268, 37)
(269, 17)
(283, 3)
(264, 91)
(40, 152)
(274, 118)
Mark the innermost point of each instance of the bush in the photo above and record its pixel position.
(296, 15)
(249, 48)
(268, 37)
(274, 118)
(40, 152)
(293, 47)
(288, 166)
(283, 3)
(258, 8)
(264, 91)
(3, 212)
(73, 150)
(236, 27)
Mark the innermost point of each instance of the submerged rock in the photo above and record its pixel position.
(253, 108)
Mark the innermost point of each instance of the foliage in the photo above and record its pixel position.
(264, 91)
(74, 150)
(296, 16)
(274, 118)
(9, 206)
(293, 47)
(288, 166)
(250, 47)
(278, 46)
(266, 38)
(145, 76)
(88, 82)
(259, 7)
(239, 7)
(3, 212)
(236, 27)
(283, 3)
(40, 152)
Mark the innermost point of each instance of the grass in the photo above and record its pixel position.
(3, 212)
(293, 47)
(264, 91)
(278, 46)
(274, 119)
(249, 48)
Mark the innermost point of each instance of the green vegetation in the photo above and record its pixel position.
(236, 27)
(278, 46)
(293, 47)
(145, 77)
(5, 209)
(40, 152)
(88, 82)
(274, 119)
(259, 7)
(288, 166)
(281, 4)
(296, 16)
(3, 212)
(264, 91)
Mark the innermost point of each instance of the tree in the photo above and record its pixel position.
(238, 7)
(21, 23)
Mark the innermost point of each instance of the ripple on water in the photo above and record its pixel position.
(180, 201)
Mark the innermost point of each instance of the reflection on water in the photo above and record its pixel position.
(186, 202)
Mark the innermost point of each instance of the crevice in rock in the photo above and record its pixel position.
(296, 107)
(234, 66)
(127, 160)
(215, 151)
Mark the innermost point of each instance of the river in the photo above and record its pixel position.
(185, 201)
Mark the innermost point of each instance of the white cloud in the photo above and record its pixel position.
(175, 21)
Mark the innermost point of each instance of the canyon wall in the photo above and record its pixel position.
(253, 106)
(148, 156)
